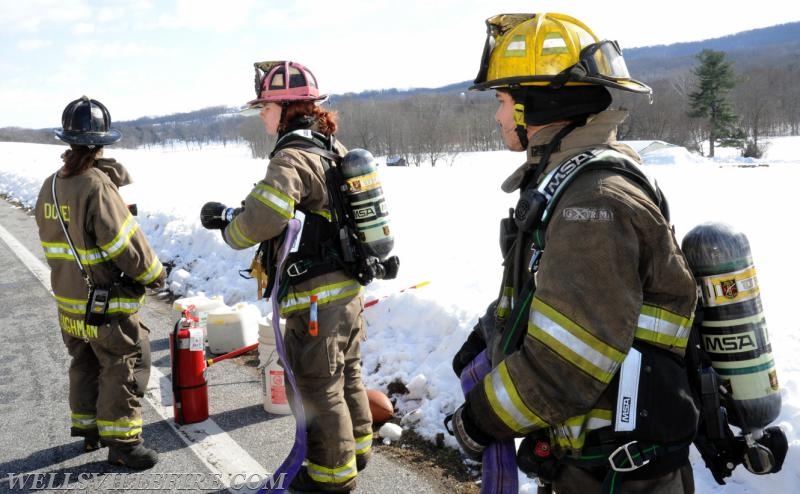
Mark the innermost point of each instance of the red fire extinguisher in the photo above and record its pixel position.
(189, 385)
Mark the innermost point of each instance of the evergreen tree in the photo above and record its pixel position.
(715, 79)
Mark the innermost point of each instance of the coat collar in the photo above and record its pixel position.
(600, 130)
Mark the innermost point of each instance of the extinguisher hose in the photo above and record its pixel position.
(234, 353)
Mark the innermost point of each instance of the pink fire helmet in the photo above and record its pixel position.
(284, 81)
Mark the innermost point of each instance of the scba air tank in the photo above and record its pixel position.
(365, 195)
(733, 329)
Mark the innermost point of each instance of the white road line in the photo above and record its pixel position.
(33, 264)
(212, 445)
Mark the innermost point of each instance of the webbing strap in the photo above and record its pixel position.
(499, 472)
(287, 471)
(623, 459)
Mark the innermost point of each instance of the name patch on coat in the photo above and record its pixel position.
(588, 214)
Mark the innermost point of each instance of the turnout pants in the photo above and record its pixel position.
(575, 480)
(108, 376)
(327, 369)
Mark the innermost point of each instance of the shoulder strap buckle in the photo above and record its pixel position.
(623, 460)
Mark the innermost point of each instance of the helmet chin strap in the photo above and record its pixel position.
(521, 126)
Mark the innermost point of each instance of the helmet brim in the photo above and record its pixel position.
(288, 99)
(89, 138)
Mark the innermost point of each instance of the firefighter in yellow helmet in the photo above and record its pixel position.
(584, 345)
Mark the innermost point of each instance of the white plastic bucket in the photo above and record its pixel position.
(231, 328)
(273, 384)
(202, 305)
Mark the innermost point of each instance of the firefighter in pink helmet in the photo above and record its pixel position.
(324, 354)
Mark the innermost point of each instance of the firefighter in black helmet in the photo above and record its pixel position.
(597, 299)
(100, 263)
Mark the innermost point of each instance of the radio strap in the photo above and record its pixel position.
(69, 239)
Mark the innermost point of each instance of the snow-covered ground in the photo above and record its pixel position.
(445, 222)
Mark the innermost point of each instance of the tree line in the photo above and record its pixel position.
(687, 110)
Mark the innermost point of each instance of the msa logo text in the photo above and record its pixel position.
(565, 170)
(625, 416)
(730, 343)
(364, 213)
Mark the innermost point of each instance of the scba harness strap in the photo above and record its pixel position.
(529, 219)
(316, 251)
(330, 240)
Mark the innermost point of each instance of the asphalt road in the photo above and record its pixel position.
(232, 451)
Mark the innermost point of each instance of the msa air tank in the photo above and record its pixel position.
(367, 203)
(733, 330)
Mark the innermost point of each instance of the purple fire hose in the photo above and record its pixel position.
(286, 472)
(499, 472)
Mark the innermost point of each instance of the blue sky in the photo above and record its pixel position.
(148, 58)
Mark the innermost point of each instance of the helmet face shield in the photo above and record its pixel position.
(602, 63)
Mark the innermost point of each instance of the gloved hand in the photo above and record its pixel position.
(159, 282)
(216, 216)
(471, 439)
(468, 351)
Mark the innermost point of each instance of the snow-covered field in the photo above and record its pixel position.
(445, 222)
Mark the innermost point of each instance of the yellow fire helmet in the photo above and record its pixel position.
(550, 49)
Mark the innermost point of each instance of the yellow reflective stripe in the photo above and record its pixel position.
(363, 444)
(121, 428)
(274, 199)
(71, 305)
(598, 418)
(338, 475)
(572, 432)
(118, 245)
(662, 327)
(237, 236)
(324, 213)
(61, 250)
(116, 305)
(507, 403)
(504, 305)
(295, 301)
(573, 343)
(84, 421)
(150, 274)
(125, 305)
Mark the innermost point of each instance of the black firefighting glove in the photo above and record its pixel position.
(216, 216)
(469, 436)
(474, 345)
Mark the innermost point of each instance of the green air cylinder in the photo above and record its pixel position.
(733, 330)
(365, 195)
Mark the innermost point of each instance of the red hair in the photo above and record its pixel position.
(326, 120)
